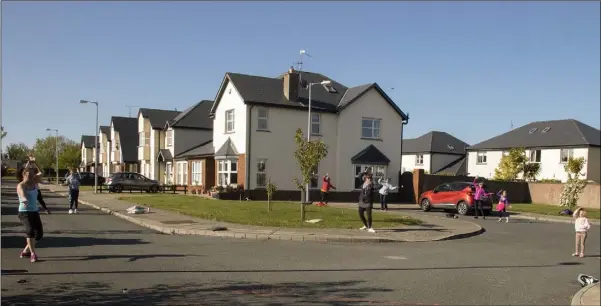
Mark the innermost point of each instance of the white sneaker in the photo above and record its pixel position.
(75, 211)
(500, 219)
(507, 220)
(363, 228)
(70, 211)
(371, 230)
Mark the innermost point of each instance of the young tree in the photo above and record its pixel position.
(3, 133)
(308, 154)
(17, 151)
(271, 188)
(531, 170)
(574, 186)
(45, 150)
(69, 155)
(511, 165)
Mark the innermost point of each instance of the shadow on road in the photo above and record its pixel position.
(240, 293)
(131, 258)
(67, 242)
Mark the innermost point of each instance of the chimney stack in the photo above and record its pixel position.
(291, 83)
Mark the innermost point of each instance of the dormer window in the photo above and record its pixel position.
(330, 88)
(450, 147)
(532, 130)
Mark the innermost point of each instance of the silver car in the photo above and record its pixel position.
(121, 181)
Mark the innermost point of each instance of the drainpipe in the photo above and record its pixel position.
(248, 148)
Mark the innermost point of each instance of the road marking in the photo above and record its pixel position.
(395, 257)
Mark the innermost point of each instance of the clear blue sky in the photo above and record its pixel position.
(467, 68)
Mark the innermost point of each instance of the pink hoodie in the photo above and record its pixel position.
(480, 191)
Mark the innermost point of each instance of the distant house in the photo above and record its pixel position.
(152, 138)
(104, 141)
(124, 141)
(436, 153)
(87, 153)
(550, 143)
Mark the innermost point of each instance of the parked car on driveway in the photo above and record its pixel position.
(124, 180)
(456, 196)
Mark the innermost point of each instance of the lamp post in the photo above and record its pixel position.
(325, 82)
(56, 152)
(95, 144)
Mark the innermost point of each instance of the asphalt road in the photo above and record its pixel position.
(96, 259)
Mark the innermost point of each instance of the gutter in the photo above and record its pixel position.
(248, 148)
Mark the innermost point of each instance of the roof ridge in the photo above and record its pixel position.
(187, 112)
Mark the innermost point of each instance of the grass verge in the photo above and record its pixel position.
(550, 210)
(283, 214)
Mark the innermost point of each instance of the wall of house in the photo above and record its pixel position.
(373, 105)
(157, 142)
(143, 150)
(115, 154)
(107, 167)
(483, 170)
(280, 162)
(593, 171)
(410, 159)
(231, 99)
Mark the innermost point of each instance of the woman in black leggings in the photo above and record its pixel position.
(40, 197)
(366, 203)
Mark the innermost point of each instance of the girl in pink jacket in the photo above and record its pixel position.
(582, 226)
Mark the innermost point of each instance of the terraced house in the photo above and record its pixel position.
(152, 137)
(87, 153)
(104, 159)
(256, 117)
(124, 141)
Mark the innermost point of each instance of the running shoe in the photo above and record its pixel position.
(33, 258)
(25, 254)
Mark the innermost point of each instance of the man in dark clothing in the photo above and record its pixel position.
(366, 203)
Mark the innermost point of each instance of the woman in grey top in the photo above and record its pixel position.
(366, 203)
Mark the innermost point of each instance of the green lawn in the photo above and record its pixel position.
(553, 210)
(283, 214)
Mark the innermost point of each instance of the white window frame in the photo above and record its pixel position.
(378, 171)
(315, 124)
(229, 120)
(224, 172)
(532, 156)
(196, 173)
(261, 173)
(419, 159)
(376, 132)
(182, 173)
(262, 119)
(143, 139)
(481, 158)
(567, 153)
(169, 173)
(169, 138)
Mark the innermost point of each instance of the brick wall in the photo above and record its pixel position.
(241, 169)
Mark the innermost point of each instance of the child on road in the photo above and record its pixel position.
(386, 187)
(503, 205)
(582, 226)
(73, 181)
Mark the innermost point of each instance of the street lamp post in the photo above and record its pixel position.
(95, 144)
(325, 82)
(56, 152)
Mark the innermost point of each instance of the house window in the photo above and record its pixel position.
(169, 141)
(261, 173)
(262, 119)
(378, 172)
(182, 173)
(315, 178)
(227, 171)
(565, 155)
(315, 124)
(481, 158)
(419, 159)
(370, 128)
(115, 146)
(197, 173)
(144, 139)
(229, 121)
(534, 156)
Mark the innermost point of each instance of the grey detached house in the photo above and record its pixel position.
(435, 152)
(549, 143)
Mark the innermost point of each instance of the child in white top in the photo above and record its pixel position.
(582, 226)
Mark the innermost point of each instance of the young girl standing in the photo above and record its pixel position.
(582, 226)
(503, 205)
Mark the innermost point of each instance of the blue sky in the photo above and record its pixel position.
(467, 68)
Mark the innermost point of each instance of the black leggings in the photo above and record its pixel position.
(73, 198)
(41, 200)
(478, 206)
(362, 212)
(324, 197)
(383, 203)
(33, 224)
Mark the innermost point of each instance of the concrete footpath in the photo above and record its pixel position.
(588, 295)
(433, 228)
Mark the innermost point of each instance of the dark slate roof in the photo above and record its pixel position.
(105, 130)
(227, 149)
(197, 116)
(434, 142)
(456, 167)
(128, 135)
(370, 155)
(204, 149)
(270, 91)
(541, 134)
(165, 154)
(158, 117)
(88, 140)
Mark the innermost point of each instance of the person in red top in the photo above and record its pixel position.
(325, 190)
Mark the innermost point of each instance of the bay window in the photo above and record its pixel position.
(182, 173)
(227, 172)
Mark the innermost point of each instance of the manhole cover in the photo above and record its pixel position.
(179, 222)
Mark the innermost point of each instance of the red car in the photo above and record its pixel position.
(457, 196)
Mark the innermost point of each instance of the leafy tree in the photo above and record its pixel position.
(574, 186)
(17, 151)
(308, 154)
(45, 151)
(271, 188)
(70, 155)
(3, 133)
(511, 165)
(531, 170)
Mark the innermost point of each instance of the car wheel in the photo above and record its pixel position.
(118, 188)
(462, 208)
(425, 205)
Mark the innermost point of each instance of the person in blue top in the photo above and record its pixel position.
(29, 214)
(73, 181)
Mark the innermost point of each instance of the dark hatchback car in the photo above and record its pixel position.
(125, 180)
(456, 196)
(87, 179)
